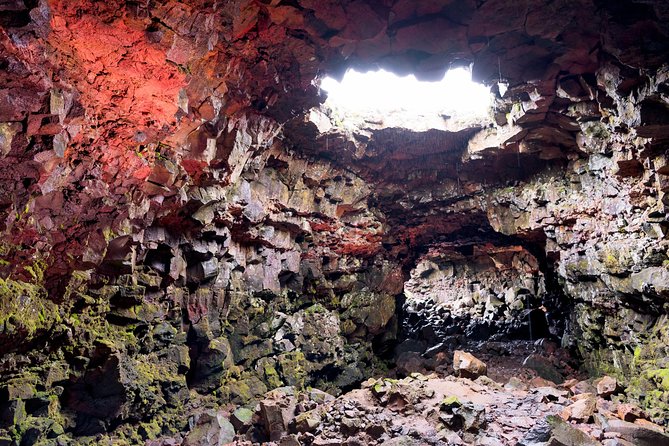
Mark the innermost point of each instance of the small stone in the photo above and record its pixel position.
(467, 365)
(583, 409)
(606, 386)
(629, 412)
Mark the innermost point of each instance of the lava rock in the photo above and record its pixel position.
(467, 365)
(606, 386)
(544, 368)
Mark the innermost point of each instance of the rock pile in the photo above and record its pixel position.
(433, 410)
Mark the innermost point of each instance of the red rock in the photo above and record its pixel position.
(629, 412)
(582, 409)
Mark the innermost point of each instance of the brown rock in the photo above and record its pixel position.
(629, 412)
(515, 384)
(583, 409)
(307, 421)
(290, 440)
(648, 434)
(273, 419)
(467, 365)
(582, 387)
(568, 384)
(606, 386)
(538, 381)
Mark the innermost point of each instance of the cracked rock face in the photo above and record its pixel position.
(185, 228)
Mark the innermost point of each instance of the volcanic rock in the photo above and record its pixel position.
(467, 365)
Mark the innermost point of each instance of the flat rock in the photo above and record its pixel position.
(563, 434)
(640, 435)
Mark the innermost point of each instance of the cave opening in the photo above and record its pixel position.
(384, 98)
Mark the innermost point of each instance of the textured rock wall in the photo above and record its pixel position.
(600, 225)
(272, 277)
(495, 293)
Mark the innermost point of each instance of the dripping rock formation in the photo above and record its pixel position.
(194, 250)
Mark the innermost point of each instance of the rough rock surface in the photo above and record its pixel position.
(434, 410)
(183, 227)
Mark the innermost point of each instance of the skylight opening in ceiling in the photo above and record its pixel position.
(383, 97)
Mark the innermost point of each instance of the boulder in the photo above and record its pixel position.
(544, 368)
(467, 365)
(582, 409)
(647, 434)
(582, 387)
(462, 415)
(606, 386)
(273, 419)
(241, 418)
(307, 421)
(211, 429)
(277, 411)
(629, 412)
(562, 434)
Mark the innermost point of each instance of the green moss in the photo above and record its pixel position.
(272, 376)
(579, 267)
(36, 271)
(315, 309)
(25, 309)
(149, 430)
(293, 368)
(451, 401)
(660, 377)
(597, 131)
(636, 357)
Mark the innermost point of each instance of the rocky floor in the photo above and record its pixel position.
(508, 401)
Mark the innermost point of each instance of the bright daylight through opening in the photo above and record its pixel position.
(383, 98)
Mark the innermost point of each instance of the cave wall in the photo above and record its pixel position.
(597, 229)
(274, 278)
(183, 227)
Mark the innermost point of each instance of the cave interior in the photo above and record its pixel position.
(198, 248)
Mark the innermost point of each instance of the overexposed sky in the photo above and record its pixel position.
(382, 91)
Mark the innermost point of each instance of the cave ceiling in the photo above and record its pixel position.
(103, 103)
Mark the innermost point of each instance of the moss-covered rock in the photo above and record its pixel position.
(25, 311)
(369, 311)
(292, 366)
